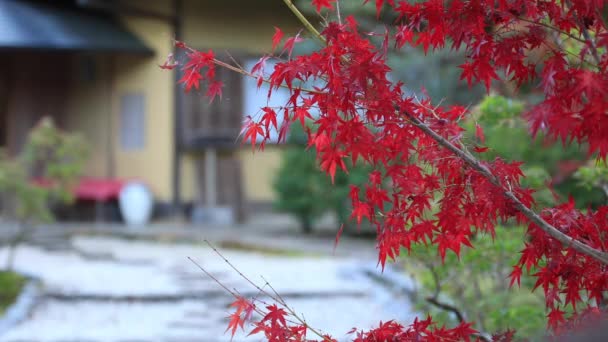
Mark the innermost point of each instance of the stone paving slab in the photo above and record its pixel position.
(108, 289)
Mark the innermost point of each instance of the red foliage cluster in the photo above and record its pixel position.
(417, 149)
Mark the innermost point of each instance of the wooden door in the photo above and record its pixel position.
(38, 86)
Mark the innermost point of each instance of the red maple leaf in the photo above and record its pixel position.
(243, 312)
(276, 38)
(330, 160)
(170, 63)
(320, 4)
(275, 316)
(479, 133)
(234, 323)
(290, 42)
(214, 89)
(556, 318)
(191, 78)
(302, 113)
(481, 149)
(515, 276)
(251, 131)
(269, 118)
(379, 4)
(468, 73)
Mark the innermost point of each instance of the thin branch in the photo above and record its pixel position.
(459, 315)
(309, 27)
(234, 294)
(551, 28)
(591, 43)
(276, 297)
(239, 69)
(239, 272)
(338, 12)
(293, 312)
(447, 307)
(588, 40)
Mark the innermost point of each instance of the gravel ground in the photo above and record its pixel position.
(106, 289)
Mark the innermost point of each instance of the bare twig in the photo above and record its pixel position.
(234, 294)
(275, 297)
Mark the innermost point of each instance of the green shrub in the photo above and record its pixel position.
(594, 175)
(479, 286)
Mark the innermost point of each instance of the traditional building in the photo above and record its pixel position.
(93, 66)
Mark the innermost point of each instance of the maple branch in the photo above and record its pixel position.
(550, 28)
(588, 40)
(239, 69)
(447, 307)
(566, 240)
(309, 27)
(591, 42)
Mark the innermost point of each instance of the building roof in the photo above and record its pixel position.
(56, 25)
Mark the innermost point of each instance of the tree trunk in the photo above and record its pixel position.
(306, 224)
(14, 244)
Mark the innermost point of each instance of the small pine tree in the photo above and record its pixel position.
(42, 174)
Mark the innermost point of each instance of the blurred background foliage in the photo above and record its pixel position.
(307, 193)
(477, 285)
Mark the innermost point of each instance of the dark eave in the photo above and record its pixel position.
(57, 26)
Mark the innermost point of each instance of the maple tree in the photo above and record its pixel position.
(419, 153)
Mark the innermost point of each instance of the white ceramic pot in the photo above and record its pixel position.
(136, 202)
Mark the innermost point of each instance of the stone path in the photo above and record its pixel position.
(108, 289)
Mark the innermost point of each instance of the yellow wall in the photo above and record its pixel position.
(136, 74)
(89, 110)
(188, 178)
(246, 27)
(259, 169)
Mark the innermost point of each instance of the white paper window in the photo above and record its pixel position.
(255, 99)
(132, 121)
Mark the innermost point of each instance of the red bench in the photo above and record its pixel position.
(99, 190)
